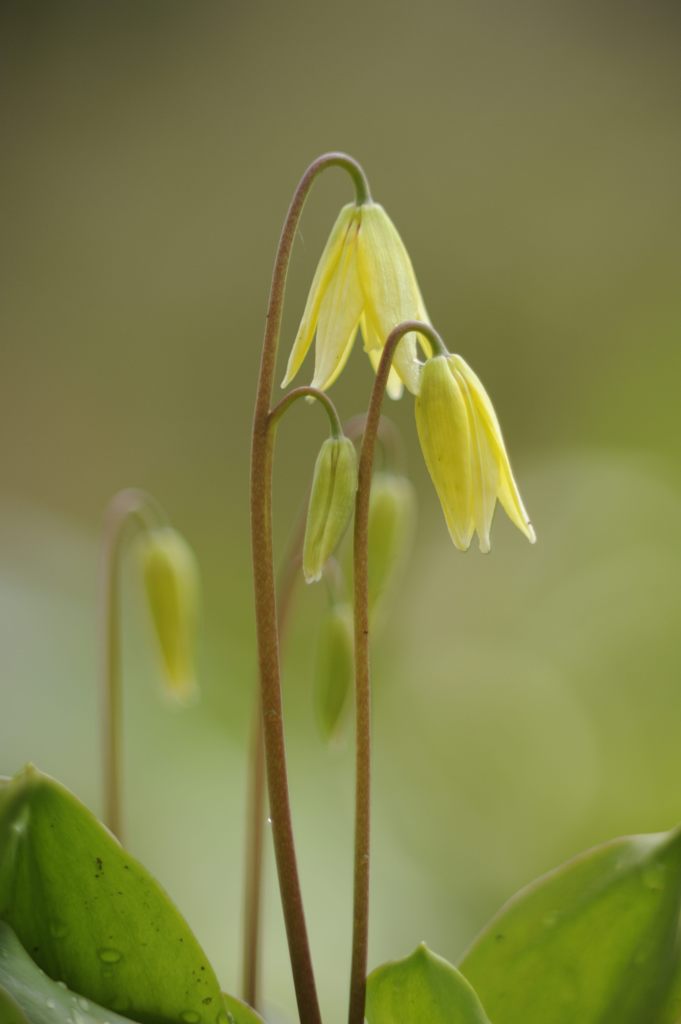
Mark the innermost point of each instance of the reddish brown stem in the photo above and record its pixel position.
(360, 926)
(262, 454)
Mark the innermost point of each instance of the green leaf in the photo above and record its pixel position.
(238, 1013)
(593, 941)
(671, 1013)
(91, 916)
(38, 999)
(423, 989)
(10, 1012)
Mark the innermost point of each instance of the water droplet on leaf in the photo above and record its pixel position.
(109, 956)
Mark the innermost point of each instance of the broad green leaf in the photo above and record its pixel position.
(423, 989)
(10, 1012)
(593, 941)
(671, 1013)
(237, 1012)
(41, 1000)
(91, 916)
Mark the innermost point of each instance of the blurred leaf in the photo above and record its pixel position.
(335, 667)
(89, 914)
(42, 1000)
(422, 989)
(10, 1013)
(593, 941)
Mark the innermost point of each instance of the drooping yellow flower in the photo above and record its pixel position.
(364, 280)
(464, 451)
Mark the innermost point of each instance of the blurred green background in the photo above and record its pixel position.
(528, 703)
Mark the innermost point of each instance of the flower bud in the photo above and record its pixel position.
(331, 502)
(335, 667)
(171, 581)
(392, 511)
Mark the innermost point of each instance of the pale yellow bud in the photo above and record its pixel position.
(331, 503)
(392, 508)
(171, 581)
(464, 450)
(334, 668)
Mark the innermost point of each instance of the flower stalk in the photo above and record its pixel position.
(360, 919)
(267, 633)
(257, 798)
(389, 439)
(125, 508)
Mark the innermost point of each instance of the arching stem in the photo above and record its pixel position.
(126, 507)
(262, 454)
(360, 927)
(256, 801)
(287, 577)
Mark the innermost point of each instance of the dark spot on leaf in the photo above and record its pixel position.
(207, 1000)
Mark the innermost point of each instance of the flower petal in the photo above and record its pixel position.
(326, 268)
(484, 468)
(405, 364)
(507, 490)
(391, 292)
(339, 315)
(394, 387)
(442, 422)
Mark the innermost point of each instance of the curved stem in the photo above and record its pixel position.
(262, 453)
(124, 507)
(360, 919)
(255, 830)
(307, 391)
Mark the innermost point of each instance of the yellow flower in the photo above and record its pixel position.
(464, 451)
(364, 280)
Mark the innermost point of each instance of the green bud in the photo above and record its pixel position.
(335, 667)
(331, 502)
(392, 511)
(171, 581)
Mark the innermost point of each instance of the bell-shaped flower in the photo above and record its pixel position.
(464, 451)
(364, 280)
(171, 581)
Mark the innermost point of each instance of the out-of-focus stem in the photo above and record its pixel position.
(125, 507)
